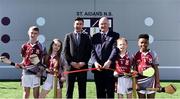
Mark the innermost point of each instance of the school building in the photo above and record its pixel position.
(159, 18)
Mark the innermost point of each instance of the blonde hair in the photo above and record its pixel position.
(122, 39)
(35, 28)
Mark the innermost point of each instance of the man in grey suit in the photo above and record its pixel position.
(77, 50)
(102, 57)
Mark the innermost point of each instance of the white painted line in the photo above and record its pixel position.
(7, 67)
(169, 67)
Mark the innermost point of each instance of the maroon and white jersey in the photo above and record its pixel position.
(29, 49)
(50, 64)
(144, 60)
(123, 64)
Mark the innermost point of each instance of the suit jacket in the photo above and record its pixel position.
(77, 53)
(102, 51)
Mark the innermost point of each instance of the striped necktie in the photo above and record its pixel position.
(103, 37)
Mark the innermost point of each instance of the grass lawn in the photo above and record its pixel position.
(13, 89)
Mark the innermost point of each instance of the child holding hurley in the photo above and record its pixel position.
(33, 46)
(55, 64)
(144, 59)
(123, 63)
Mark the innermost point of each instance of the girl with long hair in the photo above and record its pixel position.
(55, 66)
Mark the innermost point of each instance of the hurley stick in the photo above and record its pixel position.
(170, 89)
(134, 93)
(55, 79)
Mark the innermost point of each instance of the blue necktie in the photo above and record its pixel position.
(78, 38)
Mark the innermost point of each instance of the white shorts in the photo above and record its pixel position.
(31, 81)
(48, 84)
(146, 83)
(124, 83)
(146, 92)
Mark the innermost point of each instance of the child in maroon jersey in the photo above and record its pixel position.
(144, 59)
(53, 60)
(123, 66)
(29, 48)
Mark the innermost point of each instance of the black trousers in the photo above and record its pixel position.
(81, 78)
(105, 84)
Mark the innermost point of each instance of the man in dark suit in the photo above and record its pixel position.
(77, 50)
(102, 57)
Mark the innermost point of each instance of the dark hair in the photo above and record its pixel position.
(79, 19)
(50, 51)
(145, 36)
(51, 47)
